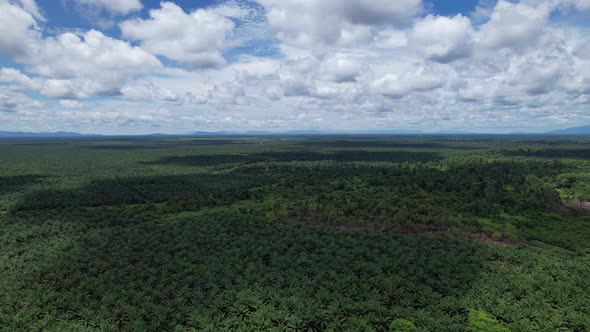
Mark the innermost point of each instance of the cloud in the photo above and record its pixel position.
(540, 78)
(370, 12)
(92, 56)
(195, 40)
(396, 86)
(151, 91)
(14, 102)
(124, 117)
(69, 65)
(18, 30)
(515, 26)
(118, 7)
(71, 104)
(325, 79)
(310, 22)
(577, 4)
(341, 68)
(441, 38)
(16, 78)
(184, 87)
(228, 92)
(65, 89)
(353, 64)
(148, 91)
(232, 9)
(31, 7)
(584, 52)
(91, 64)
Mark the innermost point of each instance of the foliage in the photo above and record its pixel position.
(480, 321)
(381, 233)
(402, 325)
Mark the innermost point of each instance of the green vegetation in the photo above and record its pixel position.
(295, 234)
(480, 321)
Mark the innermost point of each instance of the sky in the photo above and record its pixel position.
(147, 66)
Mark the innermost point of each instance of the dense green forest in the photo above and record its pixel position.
(343, 233)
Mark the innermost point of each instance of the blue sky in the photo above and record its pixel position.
(63, 14)
(141, 66)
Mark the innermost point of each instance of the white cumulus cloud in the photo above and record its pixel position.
(514, 26)
(194, 39)
(311, 22)
(18, 30)
(441, 38)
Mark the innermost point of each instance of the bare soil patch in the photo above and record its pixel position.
(316, 220)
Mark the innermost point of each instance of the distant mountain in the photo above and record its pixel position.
(584, 130)
(18, 134)
(256, 132)
(65, 134)
(304, 133)
(249, 133)
(451, 132)
(213, 133)
(376, 132)
(161, 135)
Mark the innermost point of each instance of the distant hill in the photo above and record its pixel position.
(584, 130)
(305, 133)
(18, 134)
(66, 134)
(257, 133)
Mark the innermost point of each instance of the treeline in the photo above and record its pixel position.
(418, 192)
(550, 153)
(179, 193)
(297, 155)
